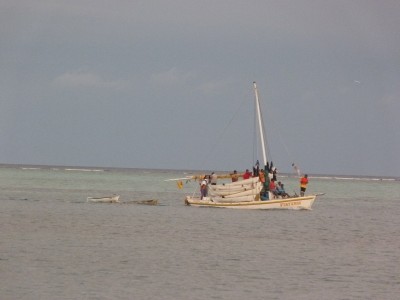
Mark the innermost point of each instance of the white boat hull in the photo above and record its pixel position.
(289, 203)
(110, 199)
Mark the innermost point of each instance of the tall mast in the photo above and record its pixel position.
(260, 124)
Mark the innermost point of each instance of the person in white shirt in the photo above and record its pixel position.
(203, 188)
(213, 178)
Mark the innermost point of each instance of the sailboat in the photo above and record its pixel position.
(246, 193)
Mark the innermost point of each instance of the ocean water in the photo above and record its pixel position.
(55, 245)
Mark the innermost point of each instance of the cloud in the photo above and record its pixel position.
(83, 79)
(216, 86)
(172, 77)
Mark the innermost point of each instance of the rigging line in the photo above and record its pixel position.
(276, 129)
(218, 140)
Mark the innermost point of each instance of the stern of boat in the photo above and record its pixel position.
(187, 200)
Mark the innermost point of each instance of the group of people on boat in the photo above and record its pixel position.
(278, 189)
(267, 176)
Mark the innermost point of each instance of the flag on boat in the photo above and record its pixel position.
(179, 184)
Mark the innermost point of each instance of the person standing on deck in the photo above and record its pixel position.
(256, 169)
(303, 185)
(274, 172)
(213, 178)
(203, 188)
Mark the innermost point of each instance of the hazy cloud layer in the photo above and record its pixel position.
(170, 83)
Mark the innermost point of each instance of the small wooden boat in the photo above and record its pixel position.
(107, 199)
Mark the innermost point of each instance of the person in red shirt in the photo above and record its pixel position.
(272, 187)
(303, 185)
(247, 174)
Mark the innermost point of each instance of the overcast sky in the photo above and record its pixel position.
(168, 84)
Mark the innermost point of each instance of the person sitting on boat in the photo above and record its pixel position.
(264, 195)
(213, 178)
(280, 188)
(284, 194)
(247, 174)
(272, 188)
(235, 176)
(203, 188)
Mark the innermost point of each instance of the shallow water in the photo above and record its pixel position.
(55, 245)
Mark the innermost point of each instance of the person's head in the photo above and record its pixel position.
(247, 170)
(234, 172)
(306, 176)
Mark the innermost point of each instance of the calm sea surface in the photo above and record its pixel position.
(55, 245)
